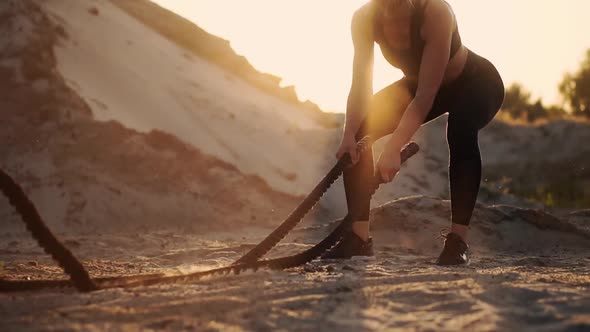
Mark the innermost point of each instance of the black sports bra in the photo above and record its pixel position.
(408, 60)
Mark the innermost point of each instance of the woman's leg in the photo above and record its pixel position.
(478, 102)
(465, 178)
(385, 111)
(384, 114)
(464, 172)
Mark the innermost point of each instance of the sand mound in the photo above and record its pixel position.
(128, 72)
(415, 222)
(90, 176)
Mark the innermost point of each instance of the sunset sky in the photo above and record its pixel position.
(308, 44)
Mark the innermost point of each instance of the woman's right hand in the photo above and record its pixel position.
(348, 145)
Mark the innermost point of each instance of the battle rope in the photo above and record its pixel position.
(79, 277)
(302, 209)
(43, 234)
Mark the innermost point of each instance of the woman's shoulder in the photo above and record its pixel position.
(365, 12)
(363, 17)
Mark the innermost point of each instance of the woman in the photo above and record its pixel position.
(441, 75)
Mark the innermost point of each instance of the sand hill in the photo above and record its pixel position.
(144, 153)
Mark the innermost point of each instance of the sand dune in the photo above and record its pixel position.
(203, 105)
(110, 61)
(146, 158)
(86, 175)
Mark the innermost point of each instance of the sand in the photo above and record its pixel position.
(143, 158)
(523, 277)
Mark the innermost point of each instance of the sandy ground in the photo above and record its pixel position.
(398, 289)
(523, 277)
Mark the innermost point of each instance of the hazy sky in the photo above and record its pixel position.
(307, 42)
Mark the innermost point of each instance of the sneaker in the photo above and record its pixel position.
(350, 245)
(455, 251)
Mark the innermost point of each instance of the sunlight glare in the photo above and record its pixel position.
(308, 42)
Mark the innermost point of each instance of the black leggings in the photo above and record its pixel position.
(472, 101)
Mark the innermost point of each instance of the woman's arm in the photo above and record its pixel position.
(362, 72)
(437, 32)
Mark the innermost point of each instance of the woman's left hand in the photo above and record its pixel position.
(389, 163)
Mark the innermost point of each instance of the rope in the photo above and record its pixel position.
(79, 276)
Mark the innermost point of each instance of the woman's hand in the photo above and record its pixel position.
(348, 145)
(389, 163)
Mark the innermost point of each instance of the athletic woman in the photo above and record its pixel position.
(441, 75)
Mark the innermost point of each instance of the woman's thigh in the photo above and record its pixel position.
(475, 107)
(387, 107)
(385, 110)
(479, 96)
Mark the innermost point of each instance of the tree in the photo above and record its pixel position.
(536, 111)
(518, 104)
(575, 88)
(516, 100)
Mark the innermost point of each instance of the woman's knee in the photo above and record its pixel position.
(463, 143)
(386, 108)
